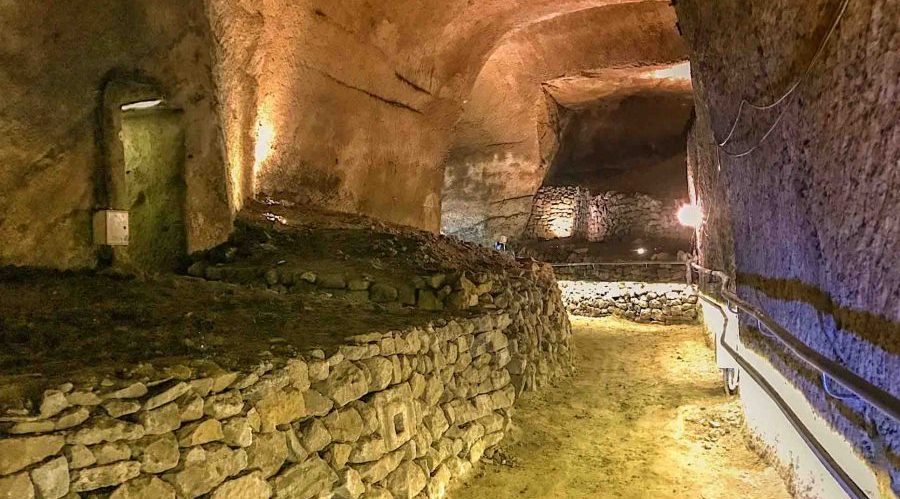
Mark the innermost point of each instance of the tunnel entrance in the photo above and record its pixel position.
(619, 176)
(146, 152)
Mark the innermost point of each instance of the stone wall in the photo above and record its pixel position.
(388, 414)
(559, 212)
(666, 303)
(605, 272)
(617, 215)
(807, 236)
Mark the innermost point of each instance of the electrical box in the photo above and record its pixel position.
(111, 228)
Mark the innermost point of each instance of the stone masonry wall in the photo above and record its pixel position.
(392, 414)
(597, 272)
(560, 212)
(666, 303)
(642, 293)
(615, 215)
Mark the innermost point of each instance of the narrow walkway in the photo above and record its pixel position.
(645, 417)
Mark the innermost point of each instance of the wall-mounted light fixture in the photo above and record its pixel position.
(690, 215)
(140, 105)
(641, 251)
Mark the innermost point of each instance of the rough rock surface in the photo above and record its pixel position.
(51, 148)
(808, 233)
(512, 124)
(560, 212)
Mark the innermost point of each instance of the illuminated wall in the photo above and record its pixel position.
(664, 303)
(805, 220)
(58, 57)
(561, 212)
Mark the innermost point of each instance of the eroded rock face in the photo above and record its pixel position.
(333, 106)
(54, 173)
(807, 235)
(509, 133)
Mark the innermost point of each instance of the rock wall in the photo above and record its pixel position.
(812, 244)
(346, 106)
(57, 58)
(654, 293)
(560, 212)
(636, 301)
(616, 215)
(509, 129)
(651, 272)
(387, 414)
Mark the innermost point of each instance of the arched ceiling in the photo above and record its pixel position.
(350, 104)
(625, 130)
(508, 132)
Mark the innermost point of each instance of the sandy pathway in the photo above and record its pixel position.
(645, 417)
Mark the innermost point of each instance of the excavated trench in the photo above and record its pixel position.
(645, 416)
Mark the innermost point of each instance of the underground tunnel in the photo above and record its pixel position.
(449, 249)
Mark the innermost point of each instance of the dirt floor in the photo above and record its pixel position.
(645, 417)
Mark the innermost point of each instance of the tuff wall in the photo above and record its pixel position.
(511, 125)
(807, 232)
(56, 62)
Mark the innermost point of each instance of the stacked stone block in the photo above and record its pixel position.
(387, 414)
(615, 215)
(558, 212)
(651, 272)
(636, 301)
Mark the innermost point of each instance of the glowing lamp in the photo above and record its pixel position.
(641, 251)
(690, 215)
(144, 104)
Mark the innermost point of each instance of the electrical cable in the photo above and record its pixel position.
(832, 394)
(873, 395)
(765, 107)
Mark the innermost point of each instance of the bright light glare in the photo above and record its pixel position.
(265, 141)
(144, 104)
(675, 72)
(690, 215)
(641, 251)
(562, 227)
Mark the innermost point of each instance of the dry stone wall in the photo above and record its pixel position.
(560, 212)
(615, 215)
(665, 303)
(606, 272)
(656, 293)
(388, 414)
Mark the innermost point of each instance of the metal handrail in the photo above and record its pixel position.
(613, 264)
(830, 464)
(873, 395)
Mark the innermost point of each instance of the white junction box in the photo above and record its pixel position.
(111, 228)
